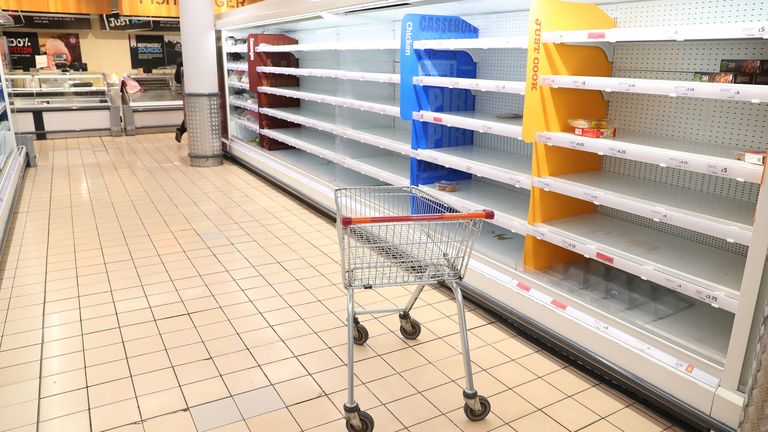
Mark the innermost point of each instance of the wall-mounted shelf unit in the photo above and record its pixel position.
(645, 251)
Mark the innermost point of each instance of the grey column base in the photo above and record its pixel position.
(203, 129)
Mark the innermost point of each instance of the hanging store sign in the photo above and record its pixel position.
(59, 22)
(170, 8)
(58, 6)
(151, 52)
(117, 22)
(24, 47)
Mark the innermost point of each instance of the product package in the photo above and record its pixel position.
(761, 79)
(593, 128)
(446, 186)
(724, 77)
(755, 157)
(744, 66)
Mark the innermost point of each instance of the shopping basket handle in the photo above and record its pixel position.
(483, 214)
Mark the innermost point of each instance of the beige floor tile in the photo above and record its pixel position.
(569, 381)
(601, 426)
(539, 393)
(283, 370)
(635, 419)
(601, 400)
(372, 369)
(176, 422)
(107, 372)
(442, 424)
(110, 392)
(363, 396)
(489, 423)
(320, 360)
(510, 406)
(62, 383)
(16, 416)
(240, 426)
(155, 381)
(16, 393)
(197, 371)
(425, 377)
(163, 402)
(77, 422)
(205, 391)
(512, 374)
(537, 422)
(571, 414)
(540, 363)
(149, 362)
(298, 390)
(413, 409)
(63, 404)
(281, 420)
(391, 388)
(114, 415)
(314, 412)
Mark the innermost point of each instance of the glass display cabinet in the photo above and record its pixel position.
(158, 106)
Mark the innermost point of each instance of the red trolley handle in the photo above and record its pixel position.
(484, 214)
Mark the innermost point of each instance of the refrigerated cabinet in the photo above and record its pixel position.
(158, 107)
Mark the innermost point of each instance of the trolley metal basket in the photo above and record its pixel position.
(392, 235)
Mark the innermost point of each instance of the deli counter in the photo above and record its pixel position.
(62, 104)
(158, 106)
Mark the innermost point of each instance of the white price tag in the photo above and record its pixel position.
(547, 81)
(516, 181)
(591, 196)
(601, 326)
(500, 87)
(678, 162)
(486, 128)
(618, 152)
(659, 214)
(576, 144)
(707, 296)
(626, 86)
(716, 169)
(684, 90)
(544, 184)
(539, 233)
(578, 83)
(569, 244)
(755, 31)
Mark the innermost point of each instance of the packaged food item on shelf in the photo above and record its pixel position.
(446, 186)
(509, 116)
(748, 66)
(593, 128)
(724, 77)
(756, 157)
(761, 79)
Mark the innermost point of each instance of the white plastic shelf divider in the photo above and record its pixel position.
(237, 49)
(393, 169)
(501, 166)
(239, 85)
(749, 30)
(481, 43)
(247, 124)
(732, 92)
(707, 213)
(333, 46)
(333, 73)
(686, 155)
(510, 207)
(476, 121)
(396, 140)
(702, 272)
(244, 105)
(514, 87)
(240, 66)
(389, 107)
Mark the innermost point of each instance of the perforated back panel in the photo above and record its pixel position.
(725, 126)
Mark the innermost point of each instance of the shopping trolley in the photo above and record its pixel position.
(392, 235)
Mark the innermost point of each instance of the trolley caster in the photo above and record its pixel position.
(481, 413)
(410, 328)
(361, 334)
(357, 416)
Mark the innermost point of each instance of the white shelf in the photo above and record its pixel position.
(667, 152)
(247, 124)
(393, 139)
(391, 169)
(514, 87)
(501, 166)
(707, 213)
(239, 85)
(333, 73)
(481, 43)
(509, 205)
(702, 272)
(237, 49)
(3, 107)
(239, 66)
(387, 107)
(734, 92)
(750, 30)
(244, 105)
(476, 121)
(333, 46)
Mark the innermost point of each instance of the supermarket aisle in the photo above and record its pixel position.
(139, 294)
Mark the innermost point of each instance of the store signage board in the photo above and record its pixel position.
(24, 47)
(117, 22)
(58, 6)
(59, 22)
(170, 8)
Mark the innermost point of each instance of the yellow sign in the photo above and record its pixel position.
(59, 6)
(170, 8)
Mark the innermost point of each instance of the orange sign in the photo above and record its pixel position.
(59, 6)
(170, 8)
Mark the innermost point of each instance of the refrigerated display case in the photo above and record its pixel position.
(158, 107)
(642, 256)
(62, 104)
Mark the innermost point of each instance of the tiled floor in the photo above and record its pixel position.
(139, 294)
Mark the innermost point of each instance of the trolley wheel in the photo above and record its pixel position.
(361, 334)
(366, 421)
(485, 409)
(414, 332)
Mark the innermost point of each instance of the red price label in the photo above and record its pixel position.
(603, 257)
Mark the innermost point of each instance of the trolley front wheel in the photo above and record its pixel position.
(485, 409)
(413, 332)
(361, 334)
(366, 422)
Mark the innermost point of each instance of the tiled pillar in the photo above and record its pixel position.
(201, 89)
